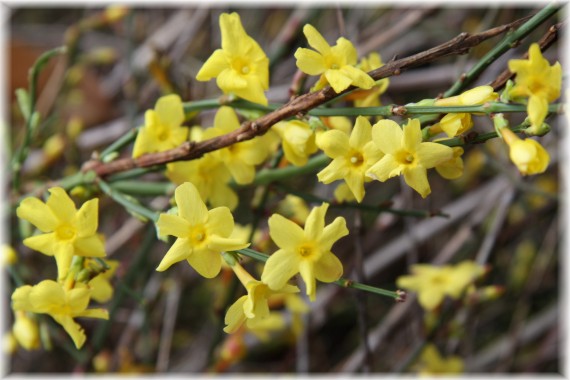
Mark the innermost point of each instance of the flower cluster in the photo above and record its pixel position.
(70, 236)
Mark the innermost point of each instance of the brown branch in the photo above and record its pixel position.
(296, 107)
(545, 42)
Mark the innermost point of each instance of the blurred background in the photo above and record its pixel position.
(119, 64)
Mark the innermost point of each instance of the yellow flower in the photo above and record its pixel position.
(162, 128)
(528, 155)
(536, 80)
(100, 285)
(307, 251)
(433, 283)
(452, 168)
(431, 362)
(352, 156)
(240, 66)
(252, 307)
(240, 158)
(202, 234)
(454, 124)
(406, 154)
(209, 175)
(26, 331)
(66, 231)
(342, 193)
(294, 208)
(371, 97)
(9, 255)
(335, 64)
(298, 141)
(61, 303)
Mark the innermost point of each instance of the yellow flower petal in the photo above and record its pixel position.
(316, 40)
(361, 134)
(61, 205)
(86, 219)
(90, 246)
(279, 268)
(337, 169)
(74, 330)
(328, 268)
(358, 77)
(38, 213)
(284, 232)
(334, 143)
(190, 204)
(233, 34)
(344, 48)
(46, 296)
(431, 154)
(220, 221)
(310, 62)
(537, 109)
(412, 135)
(173, 225)
(386, 168)
(235, 316)
(44, 243)
(307, 271)
(213, 66)
(416, 178)
(333, 232)
(206, 262)
(170, 111)
(356, 184)
(179, 251)
(338, 80)
(387, 135)
(315, 222)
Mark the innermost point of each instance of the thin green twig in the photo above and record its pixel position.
(345, 283)
(127, 202)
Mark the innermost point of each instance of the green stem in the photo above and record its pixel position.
(143, 188)
(33, 75)
(123, 141)
(481, 138)
(345, 283)
(127, 202)
(266, 176)
(133, 173)
(507, 43)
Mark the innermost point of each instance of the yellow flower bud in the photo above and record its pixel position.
(26, 332)
(9, 256)
(54, 147)
(528, 155)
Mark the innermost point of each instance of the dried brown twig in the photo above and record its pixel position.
(296, 107)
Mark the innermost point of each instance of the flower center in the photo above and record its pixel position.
(307, 250)
(245, 70)
(405, 158)
(163, 134)
(65, 232)
(356, 159)
(241, 66)
(197, 235)
(334, 66)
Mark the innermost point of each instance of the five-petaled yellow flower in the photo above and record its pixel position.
(335, 64)
(202, 234)
(209, 175)
(162, 128)
(307, 251)
(433, 283)
(239, 158)
(528, 155)
(240, 66)
(406, 154)
(536, 80)
(66, 231)
(352, 156)
(253, 307)
(61, 303)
